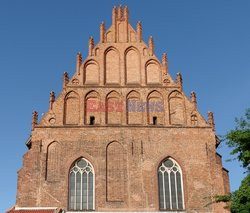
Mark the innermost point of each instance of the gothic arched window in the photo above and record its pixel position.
(171, 195)
(81, 186)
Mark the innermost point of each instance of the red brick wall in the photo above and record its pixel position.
(126, 173)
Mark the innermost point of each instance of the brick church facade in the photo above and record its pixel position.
(122, 136)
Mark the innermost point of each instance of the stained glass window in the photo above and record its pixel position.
(81, 186)
(170, 186)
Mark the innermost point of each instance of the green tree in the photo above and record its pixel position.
(239, 140)
(240, 199)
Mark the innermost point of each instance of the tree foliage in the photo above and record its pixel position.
(240, 199)
(239, 140)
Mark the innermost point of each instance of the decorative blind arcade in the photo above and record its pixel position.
(81, 186)
(170, 186)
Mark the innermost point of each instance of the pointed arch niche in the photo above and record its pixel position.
(155, 108)
(112, 66)
(121, 32)
(134, 114)
(109, 36)
(116, 167)
(91, 72)
(176, 108)
(114, 108)
(153, 72)
(71, 108)
(132, 66)
(53, 161)
(92, 111)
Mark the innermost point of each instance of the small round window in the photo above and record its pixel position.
(82, 163)
(168, 163)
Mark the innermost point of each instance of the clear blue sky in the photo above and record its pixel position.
(207, 41)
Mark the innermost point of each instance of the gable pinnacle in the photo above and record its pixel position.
(125, 19)
(126, 13)
(65, 79)
(91, 45)
(34, 119)
(78, 62)
(139, 31)
(114, 20)
(51, 99)
(193, 99)
(210, 120)
(102, 32)
(151, 45)
(179, 80)
(119, 12)
(114, 15)
(165, 63)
